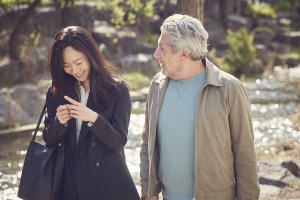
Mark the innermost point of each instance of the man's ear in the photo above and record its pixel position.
(185, 54)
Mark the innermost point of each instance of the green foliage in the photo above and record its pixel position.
(295, 53)
(150, 38)
(286, 6)
(241, 51)
(137, 80)
(260, 9)
(5, 5)
(128, 11)
(220, 62)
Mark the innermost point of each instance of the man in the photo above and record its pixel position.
(198, 135)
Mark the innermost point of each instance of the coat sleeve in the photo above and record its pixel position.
(242, 137)
(114, 133)
(54, 131)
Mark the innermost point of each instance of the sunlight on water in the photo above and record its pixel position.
(273, 103)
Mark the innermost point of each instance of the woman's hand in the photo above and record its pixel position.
(63, 114)
(151, 198)
(80, 111)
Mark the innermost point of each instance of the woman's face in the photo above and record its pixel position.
(76, 64)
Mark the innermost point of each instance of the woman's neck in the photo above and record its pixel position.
(86, 85)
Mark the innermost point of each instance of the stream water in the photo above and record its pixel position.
(274, 100)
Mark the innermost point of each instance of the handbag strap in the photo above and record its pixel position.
(38, 124)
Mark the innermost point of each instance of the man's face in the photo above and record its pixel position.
(170, 63)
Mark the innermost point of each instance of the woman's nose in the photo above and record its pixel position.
(74, 69)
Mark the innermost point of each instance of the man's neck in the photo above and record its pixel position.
(190, 69)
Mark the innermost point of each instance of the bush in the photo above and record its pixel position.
(220, 62)
(286, 6)
(241, 51)
(260, 9)
(137, 80)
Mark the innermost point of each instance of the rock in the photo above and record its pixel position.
(279, 48)
(292, 167)
(144, 63)
(9, 72)
(269, 191)
(28, 98)
(47, 20)
(274, 174)
(11, 114)
(264, 36)
(236, 22)
(119, 42)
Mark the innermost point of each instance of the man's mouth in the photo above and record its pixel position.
(160, 64)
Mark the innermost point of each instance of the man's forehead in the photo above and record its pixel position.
(162, 40)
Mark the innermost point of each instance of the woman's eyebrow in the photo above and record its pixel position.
(78, 59)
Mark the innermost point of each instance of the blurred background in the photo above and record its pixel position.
(258, 41)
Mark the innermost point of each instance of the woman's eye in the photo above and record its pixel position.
(79, 63)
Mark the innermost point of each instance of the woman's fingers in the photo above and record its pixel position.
(72, 101)
(63, 114)
(80, 111)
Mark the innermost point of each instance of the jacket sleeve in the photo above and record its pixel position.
(54, 131)
(144, 165)
(114, 133)
(242, 138)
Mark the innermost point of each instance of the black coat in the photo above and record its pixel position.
(95, 167)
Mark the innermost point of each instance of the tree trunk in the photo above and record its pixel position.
(193, 8)
(14, 41)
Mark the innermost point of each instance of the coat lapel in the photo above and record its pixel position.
(72, 134)
(84, 127)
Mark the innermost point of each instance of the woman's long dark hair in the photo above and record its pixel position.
(102, 73)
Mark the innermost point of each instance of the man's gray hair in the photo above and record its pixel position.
(186, 33)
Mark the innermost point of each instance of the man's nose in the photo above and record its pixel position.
(156, 53)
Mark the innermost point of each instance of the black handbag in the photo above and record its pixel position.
(42, 172)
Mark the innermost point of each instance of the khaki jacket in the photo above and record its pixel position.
(225, 161)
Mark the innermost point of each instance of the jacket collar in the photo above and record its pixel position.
(213, 75)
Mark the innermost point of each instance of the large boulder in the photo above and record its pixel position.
(275, 178)
(20, 105)
(9, 71)
(11, 113)
(120, 42)
(144, 63)
(28, 98)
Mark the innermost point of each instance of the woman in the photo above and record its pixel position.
(88, 112)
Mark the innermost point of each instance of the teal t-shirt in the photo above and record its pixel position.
(176, 137)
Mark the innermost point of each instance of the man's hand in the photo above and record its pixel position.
(80, 111)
